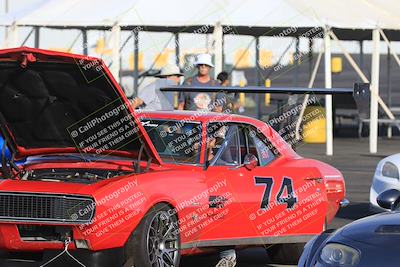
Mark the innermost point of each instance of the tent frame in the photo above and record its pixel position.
(218, 35)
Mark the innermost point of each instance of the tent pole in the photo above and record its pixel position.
(328, 98)
(389, 87)
(257, 57)
(296, 62)
(257, 96)
(136, 63)
(12, 36)
(396, 57)
(361, 54)
(362, 76)
(84, 42)
(310, 85)
(310, 55)
(223, 51)
(177, 49)
(218, 38)
(389, 74)
(37, 36)
(27, 37)
(6, 27)
(247, 49)
(116, 38)
(373, 125)
(157, 57)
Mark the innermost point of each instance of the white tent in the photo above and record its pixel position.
(174, 13)
(342, 19)
(350, 14)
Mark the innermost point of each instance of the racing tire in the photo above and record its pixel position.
(156, 240)
(286, 253)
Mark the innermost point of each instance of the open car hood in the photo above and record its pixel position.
(52, 102)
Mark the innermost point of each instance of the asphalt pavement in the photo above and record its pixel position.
(352, 158)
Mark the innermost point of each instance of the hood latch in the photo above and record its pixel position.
(27, 58)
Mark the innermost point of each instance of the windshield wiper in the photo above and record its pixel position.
(75, 156)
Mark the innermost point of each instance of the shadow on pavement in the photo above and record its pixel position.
(355, 211)
(251, 257)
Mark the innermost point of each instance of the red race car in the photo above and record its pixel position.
(102, 185)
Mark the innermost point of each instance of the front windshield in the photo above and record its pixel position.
(176, 142)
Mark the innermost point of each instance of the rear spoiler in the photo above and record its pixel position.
(259, 90)
(360, 91)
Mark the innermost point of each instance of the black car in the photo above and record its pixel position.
(371, 241)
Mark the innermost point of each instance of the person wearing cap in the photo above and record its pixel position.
(195, 100)
(152, 98)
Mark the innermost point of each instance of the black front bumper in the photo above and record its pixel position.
(110, 257)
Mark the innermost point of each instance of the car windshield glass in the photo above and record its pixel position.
(175, 141)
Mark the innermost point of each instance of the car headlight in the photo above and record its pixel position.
(338, 255)
(390, 170)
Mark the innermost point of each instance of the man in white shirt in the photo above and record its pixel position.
(151, 97)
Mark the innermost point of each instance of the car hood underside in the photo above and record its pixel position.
(56, 101)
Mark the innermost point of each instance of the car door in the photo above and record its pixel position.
(293, 202)
(231, 189)
(273, 199)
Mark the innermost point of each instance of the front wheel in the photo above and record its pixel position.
(156, 241)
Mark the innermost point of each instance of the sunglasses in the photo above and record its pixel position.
(202, 65)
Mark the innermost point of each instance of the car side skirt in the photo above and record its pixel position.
(249, 241)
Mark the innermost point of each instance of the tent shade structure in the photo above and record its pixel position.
(338, 20)
(350, 20)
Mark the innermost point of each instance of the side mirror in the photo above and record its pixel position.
(389, 199)
(250, 161)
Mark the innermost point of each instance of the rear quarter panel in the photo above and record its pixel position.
(334, 185)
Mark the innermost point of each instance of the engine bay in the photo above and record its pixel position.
(83, 176)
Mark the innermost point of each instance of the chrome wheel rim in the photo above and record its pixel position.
(163, 241)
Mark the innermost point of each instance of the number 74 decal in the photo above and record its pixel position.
(287, 183)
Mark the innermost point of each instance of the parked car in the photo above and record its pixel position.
(104, 185)
(370, 241)
(386, 177)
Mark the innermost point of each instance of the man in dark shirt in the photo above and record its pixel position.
(200, 101)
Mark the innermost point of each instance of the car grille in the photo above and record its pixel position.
(23, 207)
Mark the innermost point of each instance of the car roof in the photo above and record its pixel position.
(395, 159)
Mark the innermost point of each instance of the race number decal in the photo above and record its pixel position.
(290, 199)
(267, 193)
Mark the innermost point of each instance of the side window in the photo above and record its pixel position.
(259, 147)
(228, 147)
(216, 134)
